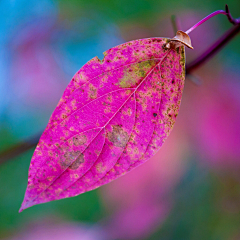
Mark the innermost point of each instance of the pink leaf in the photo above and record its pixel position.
(113, 116)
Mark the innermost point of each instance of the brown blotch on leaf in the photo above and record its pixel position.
(135, 73)
(79, 140)
(92, 92)
(154, 114)
(118, 136)
(75, 165)
(71, 160)
(100, 167)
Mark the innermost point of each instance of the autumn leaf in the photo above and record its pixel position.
(113, 116)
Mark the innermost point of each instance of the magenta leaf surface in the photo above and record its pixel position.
(113, 116)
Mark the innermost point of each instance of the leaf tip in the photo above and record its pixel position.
(21, 209)
(23, 206)
(26, 204)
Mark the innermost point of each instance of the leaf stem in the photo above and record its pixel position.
(226, 12)
(205, 19)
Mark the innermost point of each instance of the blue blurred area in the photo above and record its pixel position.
(15, 16)
(189, 190)
(40, 55)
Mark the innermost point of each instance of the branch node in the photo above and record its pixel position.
(234, 21)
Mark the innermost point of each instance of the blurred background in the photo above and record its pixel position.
(190, 189)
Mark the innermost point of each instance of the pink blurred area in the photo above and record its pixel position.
(36, 77)
(212, 119)
(141, 200)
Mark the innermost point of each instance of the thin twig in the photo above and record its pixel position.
(212, 50)
(19, 148)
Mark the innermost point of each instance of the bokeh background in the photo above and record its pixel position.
(189, 190)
